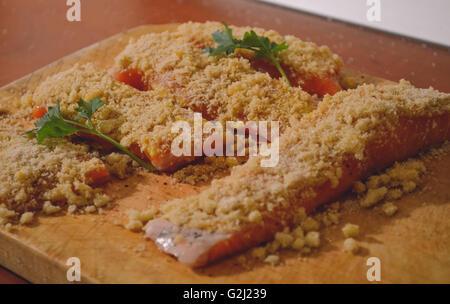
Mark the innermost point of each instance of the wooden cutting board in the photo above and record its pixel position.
(413, 246)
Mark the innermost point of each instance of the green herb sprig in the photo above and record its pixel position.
(262, 46)
(54, 125)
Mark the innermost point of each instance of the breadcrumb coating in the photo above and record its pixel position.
(210, 168)
(311, 154)
(225, 88)
(33, 174)
(178, 48)
(128, 116)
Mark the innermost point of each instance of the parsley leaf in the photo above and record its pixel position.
(225, 41)
(262, 46)
(87, 109)
(54, 125)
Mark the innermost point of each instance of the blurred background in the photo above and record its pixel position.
(428, 20)
(34, 33)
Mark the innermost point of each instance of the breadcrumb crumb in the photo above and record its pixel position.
(259, 253)
(351, 245)
(26, 218)
(71, 209)
(310, 224)
(396, 181)
(90, 209)
(350, 230)
(285, 239)
(389, 208)
(312, 239)
(272, 259)
(298, 243)
(373, 196)
(48, 208)
(8, 227)
(134, 225)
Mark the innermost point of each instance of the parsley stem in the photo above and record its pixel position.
(91, 130)
(280, 69)
(77, 124)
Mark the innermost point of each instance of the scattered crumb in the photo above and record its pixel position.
(359, 187)
(71, 209)
(389, 208)
(134, 225)
(351, 245)
(26, 218)
(400, 179)
(272, 259)
(255, 216)
(137, 219)
(394, 194)
(48, 208)
(310, 224)
(6, 213)
(298, 243)
(330, 216)
(8, 227)
(101, 200)
(373, 196)
(350, 230)
(312, 239)
(90, 209)
(408, 186)
(285, 239)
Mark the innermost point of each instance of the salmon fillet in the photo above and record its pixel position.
(349, 136)
(225, 88)
(141, 121)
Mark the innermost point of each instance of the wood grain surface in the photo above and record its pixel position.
(413, 247)
(36, 33)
